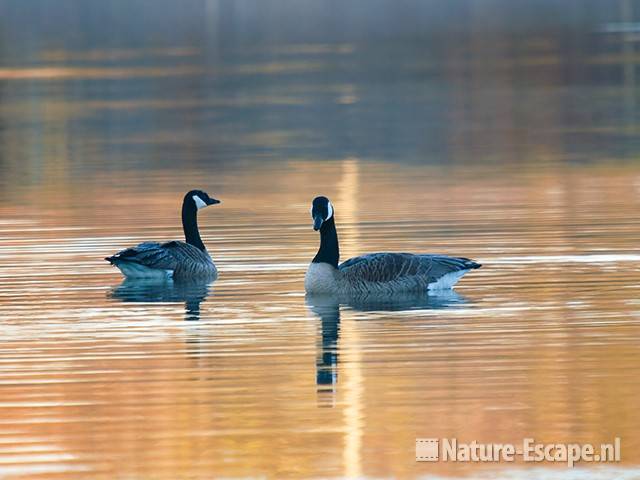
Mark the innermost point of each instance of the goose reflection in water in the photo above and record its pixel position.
(328, 309)
(192, 293)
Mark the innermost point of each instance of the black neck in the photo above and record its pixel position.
(190, 225)
(329, 252)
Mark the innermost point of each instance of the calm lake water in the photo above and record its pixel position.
(535, 178)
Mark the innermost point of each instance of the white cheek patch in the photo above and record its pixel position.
(199, 202)
(329, 211)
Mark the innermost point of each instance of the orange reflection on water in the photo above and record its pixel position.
(37, 73)
(104, 379)
(542, 343)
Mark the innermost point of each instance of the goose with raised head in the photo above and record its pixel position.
(375, 273)
(177, 260)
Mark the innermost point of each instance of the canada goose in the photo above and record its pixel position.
(177, 260)
(377, 273)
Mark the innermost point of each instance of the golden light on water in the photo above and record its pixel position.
(538, 348)
(486, 147)
(348, 189)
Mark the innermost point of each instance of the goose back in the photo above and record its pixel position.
(396, 272)
(177, 259)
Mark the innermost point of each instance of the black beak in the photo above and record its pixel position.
(212, 201)
(317, 222)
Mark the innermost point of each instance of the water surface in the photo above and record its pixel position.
(246, 377)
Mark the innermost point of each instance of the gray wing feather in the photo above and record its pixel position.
(183, 259)
(149, 254)
(400, 270)
(191, 261)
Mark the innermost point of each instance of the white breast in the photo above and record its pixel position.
(321, 278)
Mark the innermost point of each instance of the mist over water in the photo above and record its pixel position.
(516, 147)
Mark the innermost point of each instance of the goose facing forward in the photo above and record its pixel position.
(175, 259)
(375, 273)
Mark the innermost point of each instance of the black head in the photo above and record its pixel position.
(321, 211)
(199, 199)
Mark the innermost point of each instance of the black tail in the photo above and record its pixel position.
(471, 264)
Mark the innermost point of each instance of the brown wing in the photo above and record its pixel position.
(190, 260)
(179, 257)
(395, 267)
(148, 254)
